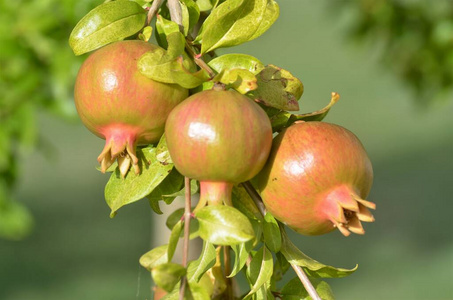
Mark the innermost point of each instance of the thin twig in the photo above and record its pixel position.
(299, 271)
(153, 10)
(187, 216)
(175, 13)
(306, 282)
(255, 196)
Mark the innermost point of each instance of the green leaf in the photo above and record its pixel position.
(171, 185)
(155, 257)
(235, 22)
(185, 77)
(197, 268)
(271, 232)
(120, 192)
(312, 267)
(241, 80)
(193, 14)
(198, 292)
(281, 119)
(236, 61)
(260, 270)
(166, 276)
(107, 23)
(164, 28)
(177, 216)
(294, 290)
(243, 202)
(271, 15)
(241, 254)
(224, 225)
(205, 5)
(145, 35)
(278, 88)
(174, 239)
(281, 266)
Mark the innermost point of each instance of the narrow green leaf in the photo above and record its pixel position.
(224, 225)
(155, 257)
(241, 254)
(193, 12)
(294, 290)
(271, 15)
(312, 267)
(177, 216)
(260, 271)
(278, 88)
(235, 22)
(236, 61)
(281, 266)
(164, 28)
(166, 276)
(107, 23)
(174, 239)
(271, 232)
(120, 192)
(205, 5)
(197, 268)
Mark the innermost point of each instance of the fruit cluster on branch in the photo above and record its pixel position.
(188, 121)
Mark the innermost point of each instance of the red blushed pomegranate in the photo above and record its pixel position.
(119, 104)
(220, 138)
(316, 179)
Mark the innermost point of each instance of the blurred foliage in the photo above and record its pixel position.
(37, 70)
(415, 39)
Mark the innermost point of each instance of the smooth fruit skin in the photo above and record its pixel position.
(316, 179)
(220, 138)
(119, 104)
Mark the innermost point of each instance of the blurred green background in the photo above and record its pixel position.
(75, 251)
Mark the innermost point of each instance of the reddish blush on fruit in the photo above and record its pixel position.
(316, 179)
(119, 104)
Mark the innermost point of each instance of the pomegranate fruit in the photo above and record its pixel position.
(220, 138)
(119, 104)
(316, 179)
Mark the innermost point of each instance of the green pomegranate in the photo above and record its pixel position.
(119, 104)
(220, 138)
(316, 179)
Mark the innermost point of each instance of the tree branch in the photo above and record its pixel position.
(153, 10)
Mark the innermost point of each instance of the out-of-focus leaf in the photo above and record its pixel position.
(155, 257)
(224, 225)
(107, 23)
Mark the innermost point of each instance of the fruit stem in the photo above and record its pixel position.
(187, 216)
(216, 193)
(153, 10)
(299, 271)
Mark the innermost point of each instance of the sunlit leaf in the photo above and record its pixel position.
(278, 88)
(155, 257)
(122, 191)
(235, 22)
(107, 23)
(224, 225)
(174, 238)
(236, 61)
